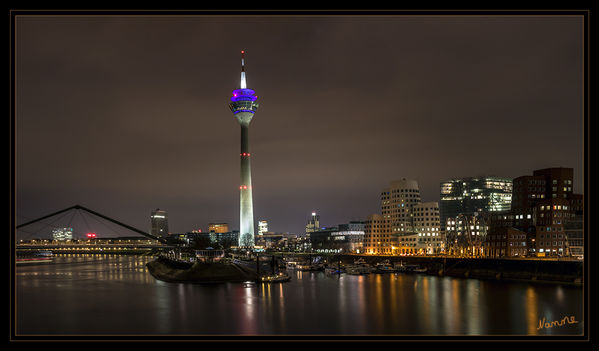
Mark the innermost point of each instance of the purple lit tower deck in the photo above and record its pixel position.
(243, 105)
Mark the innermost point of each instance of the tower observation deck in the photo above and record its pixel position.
(243, 105)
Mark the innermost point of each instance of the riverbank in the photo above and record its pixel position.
(530, 270)
(198, 272)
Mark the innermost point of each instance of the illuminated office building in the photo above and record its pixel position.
(474, 195)
(218, 227)
(262, 227)
(62, 234)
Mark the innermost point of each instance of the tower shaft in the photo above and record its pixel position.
(246, 206)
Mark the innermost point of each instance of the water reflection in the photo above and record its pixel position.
(73, 289)
(532, 312)
(472, 301)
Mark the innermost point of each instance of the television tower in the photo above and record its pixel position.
(243, 105)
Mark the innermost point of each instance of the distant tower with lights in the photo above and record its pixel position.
(243, 105)
(159, 219)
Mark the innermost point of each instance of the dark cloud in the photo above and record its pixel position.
(126, 114)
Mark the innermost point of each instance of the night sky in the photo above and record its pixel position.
(127, 114)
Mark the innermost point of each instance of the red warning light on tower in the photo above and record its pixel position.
(91, 235)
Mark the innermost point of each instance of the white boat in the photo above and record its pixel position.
(291, 265)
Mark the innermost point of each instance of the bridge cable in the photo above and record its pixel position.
(47, 225)
(79, 233)
(85, 220)
(70, 220)
(104, 224)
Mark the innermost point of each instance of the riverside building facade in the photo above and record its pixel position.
(374, 229)
(543, 210)
(427, 223)
(466, 235)
(474, 194)
(406, 226)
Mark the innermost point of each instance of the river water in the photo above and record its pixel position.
(116, 295)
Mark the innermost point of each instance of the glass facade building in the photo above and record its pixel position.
(474, 194)
(62, 234)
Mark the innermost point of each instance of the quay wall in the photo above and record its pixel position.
(516, 269)
(542, 270)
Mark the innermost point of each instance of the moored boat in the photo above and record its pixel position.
(384, 267)
(275, 278)
(333, 270)
(410, 268)
(359, 267)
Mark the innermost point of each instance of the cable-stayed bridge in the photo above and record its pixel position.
(89, 232)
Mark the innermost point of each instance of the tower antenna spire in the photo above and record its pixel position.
(243, 84)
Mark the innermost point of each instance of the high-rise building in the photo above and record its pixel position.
(62, 234)
(159, 221)
(397, 202)
(218, 227)
(243, 105)
(381, 232)
(396, 205)
(474, 195)
(427, 223)
(374, 229)
(262, 227)
(313, 225)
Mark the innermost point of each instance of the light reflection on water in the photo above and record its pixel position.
(95, 294)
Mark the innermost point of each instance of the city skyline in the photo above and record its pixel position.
(126, 115)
